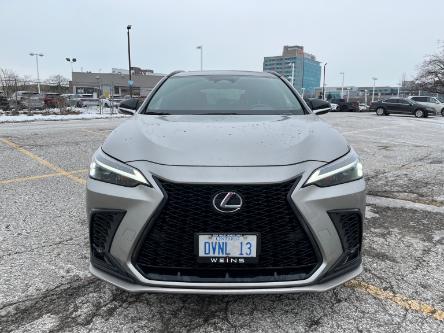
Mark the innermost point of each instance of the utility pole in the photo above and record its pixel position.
(342, 86)
(373, 93)
(128, 28)
(323, 84)
(37, 55)
(200, 47)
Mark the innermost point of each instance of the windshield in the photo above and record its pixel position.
(224, 94)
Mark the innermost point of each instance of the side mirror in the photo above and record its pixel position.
(319, 106)
(129, 106)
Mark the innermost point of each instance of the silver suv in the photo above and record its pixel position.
(27, 100)
(430, 101)
(225, 182)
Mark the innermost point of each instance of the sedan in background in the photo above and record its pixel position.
(363, 107)
(73, 100)
(401, 106)
(345, 106)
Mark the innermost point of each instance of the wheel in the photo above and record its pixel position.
(442, 112)
(380, 111)
(419, 113)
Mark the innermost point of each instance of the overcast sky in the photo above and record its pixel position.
(361, 38)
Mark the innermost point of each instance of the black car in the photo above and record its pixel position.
(401, 106)
(345, 106)
(4, 104)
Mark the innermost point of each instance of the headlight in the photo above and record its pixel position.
(344, 170)
(109, 170)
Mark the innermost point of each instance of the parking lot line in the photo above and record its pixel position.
(401, 300)
(42, 161)
(24, 179)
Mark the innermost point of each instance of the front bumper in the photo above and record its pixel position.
(139, 288)
(140, 203)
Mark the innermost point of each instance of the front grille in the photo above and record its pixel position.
(167, 249)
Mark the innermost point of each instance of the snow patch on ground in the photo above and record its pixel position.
(84, 113)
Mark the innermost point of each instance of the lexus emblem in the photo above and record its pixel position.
(227, 202)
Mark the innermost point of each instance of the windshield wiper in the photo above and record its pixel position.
(157, 113)
(217, 114)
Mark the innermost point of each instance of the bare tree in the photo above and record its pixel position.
(431, 73)
(59, 83)
(9, 81)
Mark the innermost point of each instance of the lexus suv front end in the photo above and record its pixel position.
(225, 182)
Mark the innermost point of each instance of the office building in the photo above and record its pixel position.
(307, 70)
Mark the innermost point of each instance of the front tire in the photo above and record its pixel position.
(419, 113)
(380, 111)
(442, 112)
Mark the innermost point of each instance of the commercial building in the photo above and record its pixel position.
(114, 84)
(307, 70)
(358, 93)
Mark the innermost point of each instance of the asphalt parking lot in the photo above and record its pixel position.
(45, 284)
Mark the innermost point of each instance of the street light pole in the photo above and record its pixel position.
(373, 93)
(200, 47)
(71, 60)
(99, 88)
(292, 73)
(323, 84)
(342, 86)
(128, 28)
(37, 55)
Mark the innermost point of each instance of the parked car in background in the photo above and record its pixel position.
(111, 102)
(363, 107)
(343, 105)
(26, 100)
(4, 104)
(429, 101)
(401, 106)
(53, 100)
(73, 100)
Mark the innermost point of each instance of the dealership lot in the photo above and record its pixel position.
(45, 284)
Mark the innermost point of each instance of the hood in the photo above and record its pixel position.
(226, 140)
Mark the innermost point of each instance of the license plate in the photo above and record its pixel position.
(227, 248)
